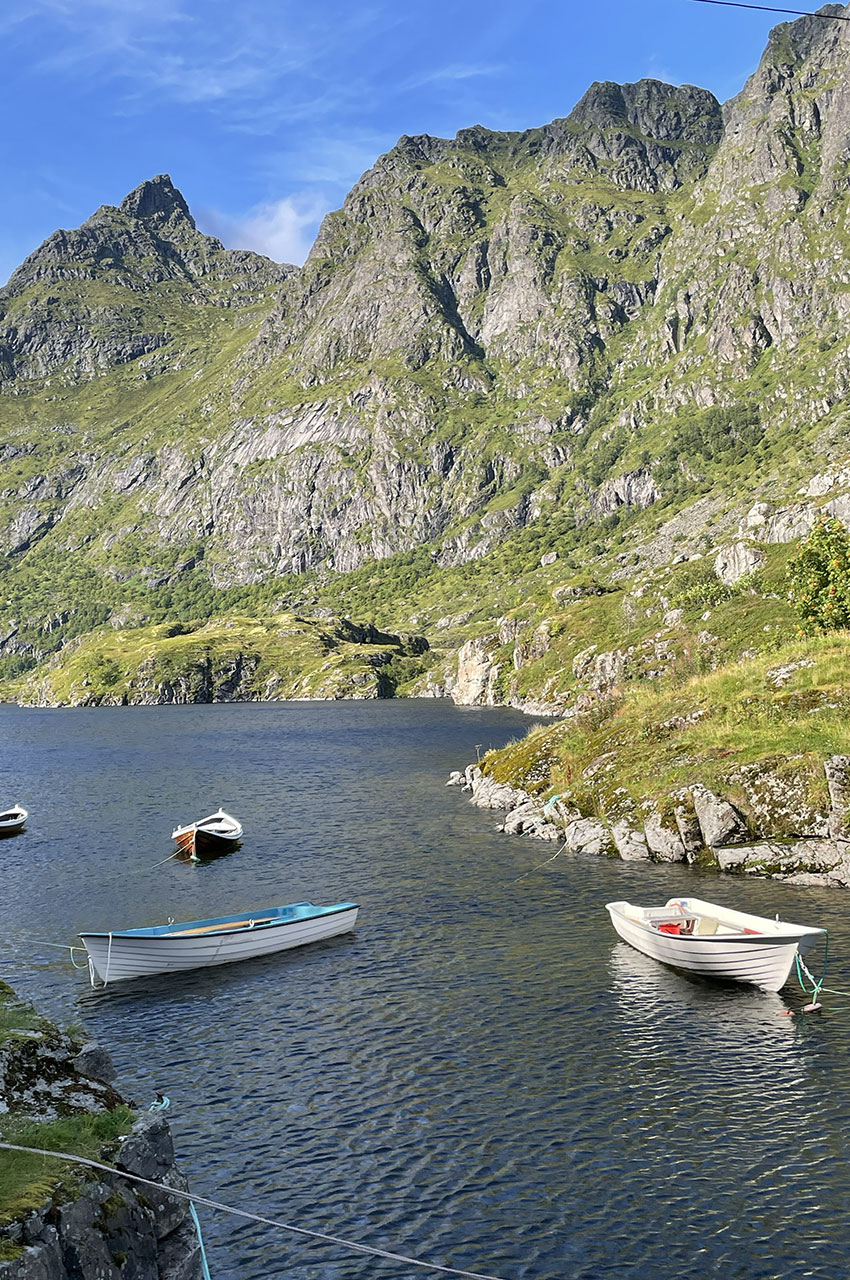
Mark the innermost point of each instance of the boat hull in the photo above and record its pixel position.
(764, 960)
(118, 956)
(204, 844)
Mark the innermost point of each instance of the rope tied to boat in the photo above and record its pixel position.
(61, 946)
(817, 983)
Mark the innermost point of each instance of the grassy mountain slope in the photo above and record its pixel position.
(520, 377)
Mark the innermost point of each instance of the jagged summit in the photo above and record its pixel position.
(157, 198)
(663, 112)
(651, 109)
(807, 35)
(114, 289)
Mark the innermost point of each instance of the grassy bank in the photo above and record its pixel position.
(779, 713)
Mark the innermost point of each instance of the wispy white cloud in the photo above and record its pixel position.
(283, 230)
(334, 161)
(248, 55)
(452, 74)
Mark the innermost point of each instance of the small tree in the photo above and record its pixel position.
(819, 578)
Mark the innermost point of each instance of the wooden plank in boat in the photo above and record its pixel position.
(214, 928)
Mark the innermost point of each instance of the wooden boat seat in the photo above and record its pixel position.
(706, 925)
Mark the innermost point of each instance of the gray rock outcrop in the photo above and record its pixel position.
(720, 822)
(737, 561)
(477, 673)
(114, 1228)
(110, 1228)
(699, 825)
(837, 769)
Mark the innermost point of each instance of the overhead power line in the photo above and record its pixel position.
(769, 8)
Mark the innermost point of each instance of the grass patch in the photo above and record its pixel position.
(27, 1181)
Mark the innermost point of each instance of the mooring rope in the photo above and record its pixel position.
(531, 870)
(204, 1264)
(817, 983)
(59, 946)
(141, 870)
(245, 1213)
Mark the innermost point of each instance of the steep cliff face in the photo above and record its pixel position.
(753, 289)
(641, 305)
(460, 283)
(482, 248)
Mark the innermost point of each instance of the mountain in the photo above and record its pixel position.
(607, 344)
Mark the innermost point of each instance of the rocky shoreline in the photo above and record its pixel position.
(700, 827)
(93, 1225)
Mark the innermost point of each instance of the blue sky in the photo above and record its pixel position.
(265, 112)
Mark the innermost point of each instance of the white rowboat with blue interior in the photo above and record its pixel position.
(196, 944)
(705, 938)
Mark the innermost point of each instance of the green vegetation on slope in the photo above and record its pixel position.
(783, 712)
(225, 659)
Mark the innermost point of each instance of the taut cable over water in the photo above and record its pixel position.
(244, 1213)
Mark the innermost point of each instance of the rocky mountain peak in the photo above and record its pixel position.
(547, 313)
(790, 124)
(662, 112)
(806, 36)
(157, 199)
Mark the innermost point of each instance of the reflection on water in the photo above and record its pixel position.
(482, 1074)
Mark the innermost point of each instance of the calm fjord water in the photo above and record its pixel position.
(481, 1075)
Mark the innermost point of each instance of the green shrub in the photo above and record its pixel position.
(819, 579)
(698, 586)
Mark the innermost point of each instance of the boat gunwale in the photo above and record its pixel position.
(792, 933)
(233, 829)
(180, 930)
(14, 814)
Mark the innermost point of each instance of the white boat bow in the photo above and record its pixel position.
(217, 832)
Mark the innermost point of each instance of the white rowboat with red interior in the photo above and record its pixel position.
(716, 941)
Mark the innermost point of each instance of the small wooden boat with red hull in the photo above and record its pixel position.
(208, 837)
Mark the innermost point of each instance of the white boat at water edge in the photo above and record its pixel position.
(12, 820)
(706, 938)
(196, 944)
